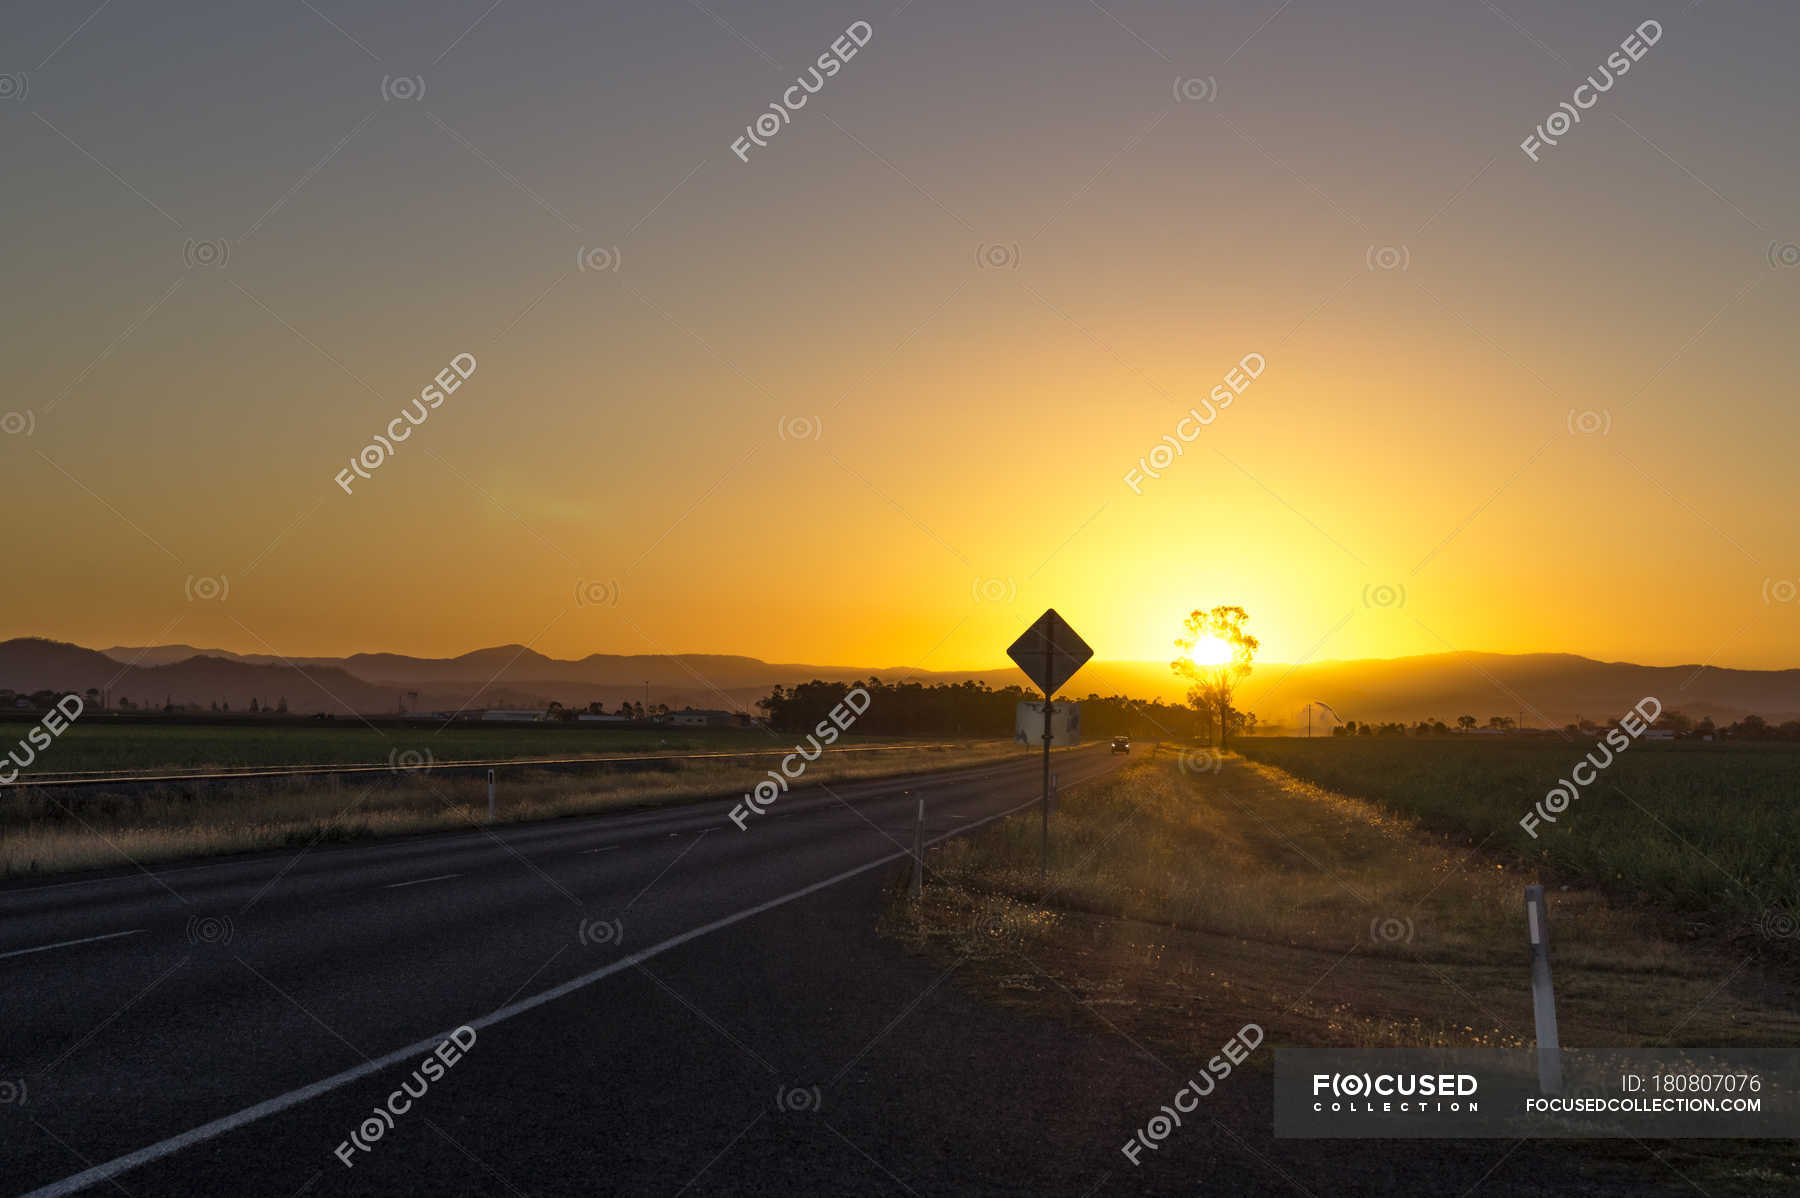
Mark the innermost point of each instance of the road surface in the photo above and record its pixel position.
(225, 1027)
(649, 1003)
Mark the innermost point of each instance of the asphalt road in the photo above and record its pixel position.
(643, 991)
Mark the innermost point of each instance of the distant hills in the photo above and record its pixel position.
(1548, 688)
(29, 664)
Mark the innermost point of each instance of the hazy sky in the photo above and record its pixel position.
(872, 392)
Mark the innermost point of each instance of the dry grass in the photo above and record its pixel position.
(1183, 907)
(42, 833)
(1179, 908)
(1250, 889)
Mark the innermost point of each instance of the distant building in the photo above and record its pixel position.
(694, 717)
(513, 717)
(592, 718)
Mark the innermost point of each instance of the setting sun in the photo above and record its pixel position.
(1209, 651)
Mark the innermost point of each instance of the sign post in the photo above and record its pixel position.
(1049, 652)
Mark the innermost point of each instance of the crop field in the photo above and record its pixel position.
(1706, 830)
(92, 745)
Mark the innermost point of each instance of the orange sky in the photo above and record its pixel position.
(1507, 405)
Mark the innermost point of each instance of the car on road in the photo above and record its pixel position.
(1121, 744)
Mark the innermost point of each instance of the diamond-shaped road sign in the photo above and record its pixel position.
(1049, 652)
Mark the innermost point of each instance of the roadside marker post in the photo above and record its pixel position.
(918, 853)
(490, 796)
(1049, 652)
(1543, 996)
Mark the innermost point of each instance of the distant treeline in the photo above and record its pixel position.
(967, 709)
(1676, 724)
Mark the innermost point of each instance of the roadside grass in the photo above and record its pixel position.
(45, 832)
(1708, 832)
(91, 745)
(1178, 907)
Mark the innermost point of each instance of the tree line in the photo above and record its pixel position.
(1751, 727)
(967, 709)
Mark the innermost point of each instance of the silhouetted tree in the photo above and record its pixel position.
(1212, 686)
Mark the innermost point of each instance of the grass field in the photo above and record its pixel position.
(1708, 831)
(44, 832)
(91, 745)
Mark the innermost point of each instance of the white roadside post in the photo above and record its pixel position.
(490, 796)
(1543, 996)
(918, 878)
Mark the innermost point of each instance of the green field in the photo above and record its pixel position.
(1710, 831)
(90, 745)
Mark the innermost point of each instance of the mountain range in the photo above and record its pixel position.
(1544, 689)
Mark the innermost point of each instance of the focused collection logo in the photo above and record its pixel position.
(1394, 1093)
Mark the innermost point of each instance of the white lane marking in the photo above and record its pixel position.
(44, 948)
(605, 848)
(419, 881)
(281, 1102)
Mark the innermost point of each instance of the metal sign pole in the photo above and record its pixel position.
(490, 796)
(1049, 733)
(1044, 865)
(1036, 652)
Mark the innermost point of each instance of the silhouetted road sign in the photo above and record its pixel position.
(1049, 652)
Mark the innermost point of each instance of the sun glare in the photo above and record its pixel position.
(1210, 651)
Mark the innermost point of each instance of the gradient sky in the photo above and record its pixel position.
(1412, 473)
